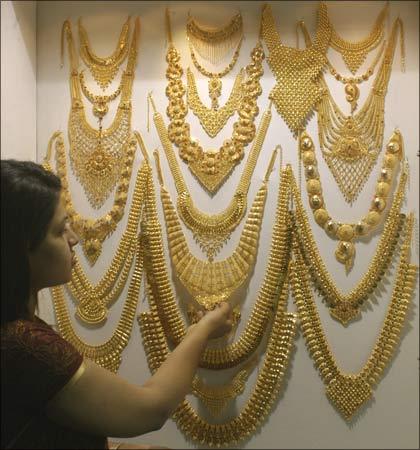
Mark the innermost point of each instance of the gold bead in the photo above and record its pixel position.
(378, 204)
(315, 201)
(345, 232)
(306, 143)
(382, 189)
(321, 216)
(311, 171)
(331, 227)
(390, 161)
(373, 218)
(308, 158)
(385, 175)
(313, 187)
(393, 147)
(361, 228)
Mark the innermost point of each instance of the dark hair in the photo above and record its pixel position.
(29, 197)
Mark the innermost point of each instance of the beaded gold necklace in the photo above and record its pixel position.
(350, 144)
(104, 69)
(97, 156)
(212, 282)
(211, 231)
(346, 232)
(212, 167)
(348, 392)
(296, 71)
(354, 53)
(256, 327)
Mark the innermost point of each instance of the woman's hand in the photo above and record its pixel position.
(218, 321)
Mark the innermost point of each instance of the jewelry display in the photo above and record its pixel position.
(265, 392)
(297, 71)
(256, 327)
(346, 307)
(211, 167)
(351, 144)
(348, 392)
(108, 354)
(97, 156)
(105, 69)
(346, 232)
(212, 231)
(354, 53)
(212, 282)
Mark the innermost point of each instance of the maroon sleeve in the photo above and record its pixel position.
(36, 362)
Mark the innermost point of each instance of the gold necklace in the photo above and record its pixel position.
(350, 144)
(296, 71)
(212, 231)
(354, 53)
(348, 392)
(99, 102)
(213, 119)
(108, 354)
(97, 156)
(347, 232)
(266, 390)
(212, 282)
(256, 327)
(350, 83)
(346, 307)
(212, 167)
(104, 69)
(213, 43)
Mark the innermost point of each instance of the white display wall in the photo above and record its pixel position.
(303, 417)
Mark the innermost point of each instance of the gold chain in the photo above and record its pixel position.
(213, 119)
(97, 156)
(348, 392)
(212, 282)
(108, 354)
(296, 71)
(212, 167)
(346, 232)
(212, 231)
(104, 69)
(354, 53)
(256, 327)
(265, 392)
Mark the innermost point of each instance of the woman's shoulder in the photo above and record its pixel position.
(26, 331)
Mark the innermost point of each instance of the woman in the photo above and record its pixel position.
(51, 396)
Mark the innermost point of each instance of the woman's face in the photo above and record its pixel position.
(51, 263)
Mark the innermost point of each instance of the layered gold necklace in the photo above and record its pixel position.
(354, 53)
(297, 71)
(266, 390)
(211, 167)
(346, 232)
(211, 231)
(212, 282)
(108, 354)
(169, 314)
(97, 156)
(104, 69)
(350, 144)
(348, 392)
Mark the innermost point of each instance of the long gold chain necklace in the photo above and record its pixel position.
(211, 167)
(256, 327)
(266, 390)
(104, 69)
(213, 119)
(354, 53)
(97, 156)
(348, 392)
(346, 232)
(213, 43)
(346, 307)
(350, 144)
(211, 231)
(212, 282)
(297, 71)
(108, 354)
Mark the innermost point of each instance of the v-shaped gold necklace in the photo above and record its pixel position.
(348, 392)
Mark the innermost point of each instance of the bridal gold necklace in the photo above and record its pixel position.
(211, 231)
(212, 282)
(97, 156)
(211, 167)
(348, 392)
(104, 69)
(297, 72)
(346, 233)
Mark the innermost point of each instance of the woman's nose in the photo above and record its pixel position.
(74, 238)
